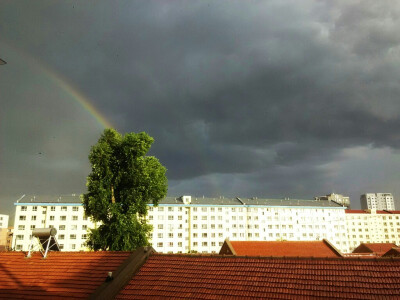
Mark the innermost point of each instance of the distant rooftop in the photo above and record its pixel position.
(250, 201)
(368, 211)
(221, 201)
(71, 198)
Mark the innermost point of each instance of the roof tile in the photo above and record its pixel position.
(60, 275)
(211, 277)
(280, 248)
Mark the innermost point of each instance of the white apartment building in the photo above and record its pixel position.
(3, 230)
(378, 201)
(65, 213)
(372, 226)
(4, 221)
(201, 225)
(188, 224)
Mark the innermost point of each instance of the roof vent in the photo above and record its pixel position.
(45, 236)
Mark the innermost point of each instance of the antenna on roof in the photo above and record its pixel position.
(21, 198)
(44, 235)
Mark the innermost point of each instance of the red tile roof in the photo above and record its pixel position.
(355, 211)
(394, 252)
(60, 275)
(360, 211)
(377, 248)
(281, 248)
(216, 277)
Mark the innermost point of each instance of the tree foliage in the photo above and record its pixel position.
(122, 182)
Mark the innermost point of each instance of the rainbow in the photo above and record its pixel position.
(73, 92)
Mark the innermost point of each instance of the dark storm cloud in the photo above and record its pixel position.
(263, 92)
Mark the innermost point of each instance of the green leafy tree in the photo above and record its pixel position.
(122, 182)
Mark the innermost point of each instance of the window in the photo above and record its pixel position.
(23, 208)
(18, 247)
(204, 244)
(63, 218)
(204, 235)
(160, 244)
(33, 218)
(22, 218)
(84, 236)
(19, 237)
(72, 236)
(61, 227)
(53, 208)
(170, 235)
(34, 208)
(84, 227)
(75, 208)
(51, 218)
(73, 246)
(170, 209)
(160, 226)
(63, 208)
(74, 218)
(33, 227)
(74, 227)
(170, 217)
(161, 209)
(61, 236)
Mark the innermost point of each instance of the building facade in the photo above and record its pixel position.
(338, 198)
(378, 201)
(200, 225)
(372, 226)
(65, 213)
(4, 221)
(4, 232)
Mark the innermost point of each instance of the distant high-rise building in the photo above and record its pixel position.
(378, 201)
(338, 198)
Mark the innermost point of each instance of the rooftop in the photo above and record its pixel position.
(367, 211)
(227, 277)
(61, 274)
(221, 201)
(377, 248)
(280, 248)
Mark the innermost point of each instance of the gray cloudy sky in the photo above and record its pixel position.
(244, 98)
